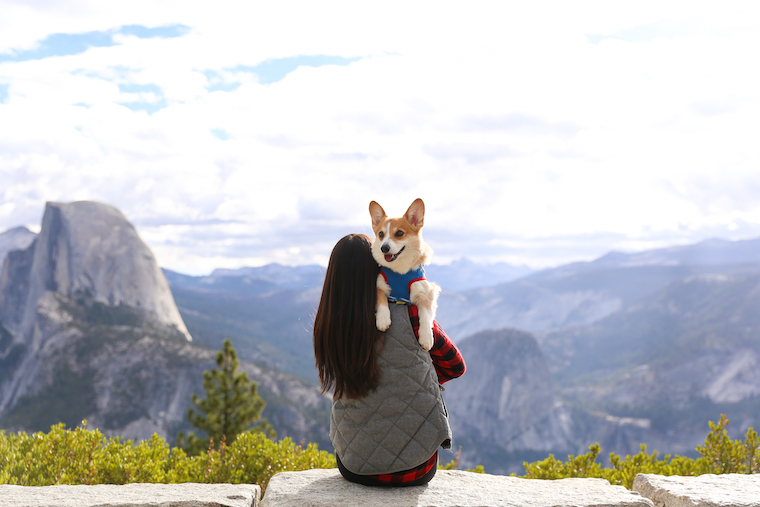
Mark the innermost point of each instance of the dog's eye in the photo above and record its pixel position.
(381, 234)
(399, 234)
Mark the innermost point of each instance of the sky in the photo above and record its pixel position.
(239, 133)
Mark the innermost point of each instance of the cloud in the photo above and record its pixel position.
(470, 153)
(274, 70)
(267, 72)
(254, 133)
(516, 122)
(644, 33)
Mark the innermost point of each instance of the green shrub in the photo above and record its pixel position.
(454, 465)
(82, 456)
(719, 454)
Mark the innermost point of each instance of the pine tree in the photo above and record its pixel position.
(231, 406)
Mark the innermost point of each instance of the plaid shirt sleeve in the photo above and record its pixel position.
(447, 359)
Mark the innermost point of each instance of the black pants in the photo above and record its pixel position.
(367, 480)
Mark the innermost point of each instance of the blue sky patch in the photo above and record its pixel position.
(147, 90)
(273, 70)
(159, 32)
(220, 134)
(66, 44)
(3, 93)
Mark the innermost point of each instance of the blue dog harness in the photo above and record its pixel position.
(401, 284)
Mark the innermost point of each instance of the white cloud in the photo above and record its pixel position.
(511, 125)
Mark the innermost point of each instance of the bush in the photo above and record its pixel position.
(454, 465)
(82, 456)
(720, 455)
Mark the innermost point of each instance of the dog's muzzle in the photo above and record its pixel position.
(390, 257)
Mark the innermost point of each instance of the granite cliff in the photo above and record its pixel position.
(89, 330)
(504, 410)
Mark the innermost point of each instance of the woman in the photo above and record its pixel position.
(388, 417)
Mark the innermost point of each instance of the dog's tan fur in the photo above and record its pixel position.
(403, 236)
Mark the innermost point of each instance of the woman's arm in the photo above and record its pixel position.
(447, 359)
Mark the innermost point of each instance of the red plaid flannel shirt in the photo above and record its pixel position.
(449, 364)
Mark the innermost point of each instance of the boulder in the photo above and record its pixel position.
(449, 488)
(734, 490)
(133, 495)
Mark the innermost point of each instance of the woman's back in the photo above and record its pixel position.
(401, 423)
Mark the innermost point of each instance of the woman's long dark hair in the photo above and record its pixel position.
(345, 334)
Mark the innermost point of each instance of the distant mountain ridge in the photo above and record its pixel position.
(459, 275)
(710, 252)
(581, 293)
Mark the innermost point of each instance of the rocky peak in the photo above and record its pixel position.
(85, 251)
(18, 238)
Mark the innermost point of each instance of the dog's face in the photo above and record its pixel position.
(398, 242)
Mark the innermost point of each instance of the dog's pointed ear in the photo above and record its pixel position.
(416, 213)
(377, 213)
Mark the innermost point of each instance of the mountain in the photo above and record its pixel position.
(269, 310)
(581, 293)
(710, 252)
(626, 349)
(266, 318)
(89, 329)
(464, 274)
(277, 275)
(597, 333)
(666, 364)
(503, 409)
(85, 251)
(17, 238)
(459, 275)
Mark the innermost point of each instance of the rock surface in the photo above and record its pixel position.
(85, 249)
(505, 404)
(133, 495)
(734, 490)
(449, 488)
(18, 238)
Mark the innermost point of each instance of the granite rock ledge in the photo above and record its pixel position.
(449, 488)
(727, 490)
(132, 495)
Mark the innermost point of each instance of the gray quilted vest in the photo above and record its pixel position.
(401, 424)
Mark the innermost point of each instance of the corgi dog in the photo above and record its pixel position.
(400, 251)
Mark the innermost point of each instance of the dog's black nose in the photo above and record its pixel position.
(385, 248)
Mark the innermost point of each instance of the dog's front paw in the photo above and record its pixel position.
(426, 338)
(383, 318)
